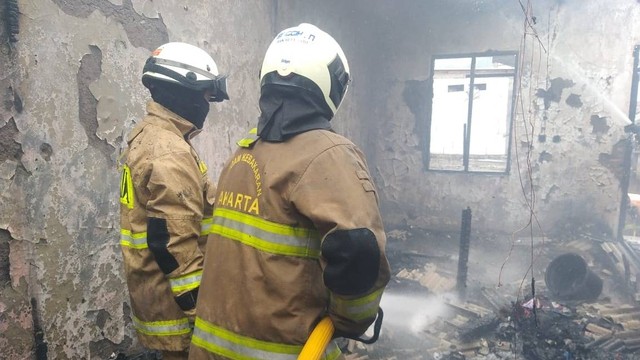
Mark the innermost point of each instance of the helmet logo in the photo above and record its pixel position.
(208, 67)
(295, 35)
(284, 69)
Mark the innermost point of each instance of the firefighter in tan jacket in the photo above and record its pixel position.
(166, 197)
(296, 234)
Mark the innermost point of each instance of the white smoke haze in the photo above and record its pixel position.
(413, 313)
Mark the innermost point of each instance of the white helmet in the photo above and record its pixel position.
(186, 65)
(314, 56)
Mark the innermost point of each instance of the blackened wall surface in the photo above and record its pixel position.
(71, 91)
(575, 80)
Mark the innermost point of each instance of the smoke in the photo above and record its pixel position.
(412, 313)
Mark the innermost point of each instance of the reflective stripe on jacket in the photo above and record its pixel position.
(262, 289)
(223, 342)
(163, 178)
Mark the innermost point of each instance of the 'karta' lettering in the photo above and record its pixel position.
(238, 201)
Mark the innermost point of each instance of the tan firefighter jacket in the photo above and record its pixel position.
(163, 196)
(262, 289)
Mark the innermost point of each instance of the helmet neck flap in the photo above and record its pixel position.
(188, 104)
(287, 111)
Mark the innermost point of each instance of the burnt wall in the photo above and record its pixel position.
(574, 95)
(71, 91)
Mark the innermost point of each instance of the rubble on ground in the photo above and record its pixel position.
(501, 317)
(518, 319)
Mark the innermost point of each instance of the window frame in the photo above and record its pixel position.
(472, 76)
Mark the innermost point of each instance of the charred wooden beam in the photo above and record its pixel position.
(463, 259)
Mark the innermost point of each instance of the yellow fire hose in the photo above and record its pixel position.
(318, 340)
(321, 335)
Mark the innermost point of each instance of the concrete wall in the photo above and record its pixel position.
(70, 89)
(70, 92)
(575, 90)
(575, 179)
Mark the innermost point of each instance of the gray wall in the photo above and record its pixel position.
(587, 54)
(71, 91)
(584, 52)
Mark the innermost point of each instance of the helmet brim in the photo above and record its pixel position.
(217, 85)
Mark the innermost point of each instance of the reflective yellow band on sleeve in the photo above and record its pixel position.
(133, 240)
(126, 187)
(250, 139)
(186, 282)
(266, 235)
(357, 309)
(162, 328)
(217, 340)
(205, 226)
(332, 351)
(202, 166)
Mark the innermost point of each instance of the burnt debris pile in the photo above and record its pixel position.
(582, 306)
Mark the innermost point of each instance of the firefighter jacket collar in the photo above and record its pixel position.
(166, 119)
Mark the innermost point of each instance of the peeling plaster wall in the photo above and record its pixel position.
(71, 91)
(575, 92)
(576, 95)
